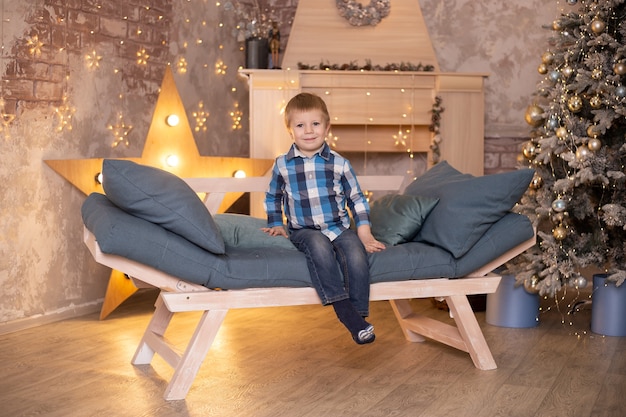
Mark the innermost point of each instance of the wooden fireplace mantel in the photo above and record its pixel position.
(368, 107)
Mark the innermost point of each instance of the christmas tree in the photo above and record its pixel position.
(577, 146)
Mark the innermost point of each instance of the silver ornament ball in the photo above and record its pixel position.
(559, 205)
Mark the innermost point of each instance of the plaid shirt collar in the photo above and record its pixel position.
(324, 152)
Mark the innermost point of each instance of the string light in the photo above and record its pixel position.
(120, 131)
(220, 67)
(64, 113)
(93, 60)
(142, 56)
(236, 116)
(181, 65)
(200, 117)
(34, 45)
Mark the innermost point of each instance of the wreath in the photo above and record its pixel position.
(358, 15)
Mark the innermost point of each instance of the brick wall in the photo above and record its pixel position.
(37, 64)
(502, 154)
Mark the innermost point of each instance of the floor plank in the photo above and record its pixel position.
(299, 361)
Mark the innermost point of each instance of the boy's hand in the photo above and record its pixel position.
(275, 231)
(368, 240)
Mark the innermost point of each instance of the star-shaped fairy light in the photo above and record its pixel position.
(142, 56)
(120, 130)
(158, 148)
(200, 115)
(34, 45)
(5, 121)
(220, 67)
(64, 113)
(235, 116)
(401, 137)
(181, 65)
(93, 59)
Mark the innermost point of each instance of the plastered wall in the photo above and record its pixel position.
(46, 272)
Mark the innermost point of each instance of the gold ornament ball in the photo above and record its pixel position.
(542, 69)
(593, 131)
(559, 233)
(532, 284)
(594, 144)
(575, 103)
(536, 182)
(561, 132)
(596, 74)
(547, 58)
(529, 150)
(619, 68)
(597, 26)
(595, 102)
(567, 71)
(556, 25)
(534, 115)
(582, 153)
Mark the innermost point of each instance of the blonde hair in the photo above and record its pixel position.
(305, 102)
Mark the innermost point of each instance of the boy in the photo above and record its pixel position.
(314, 186)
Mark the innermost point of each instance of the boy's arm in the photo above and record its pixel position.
(369, 241)
(274, 200)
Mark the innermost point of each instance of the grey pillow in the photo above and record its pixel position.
(162, 198)
(467, 206)
(397, 218)
(241, 231)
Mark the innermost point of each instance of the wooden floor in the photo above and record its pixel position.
(299, 361)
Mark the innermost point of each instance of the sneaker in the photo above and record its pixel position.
(366, 335)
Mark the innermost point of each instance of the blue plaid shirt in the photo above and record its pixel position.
(315, 192)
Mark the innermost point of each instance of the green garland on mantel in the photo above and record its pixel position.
(353, 66)
(435, 124)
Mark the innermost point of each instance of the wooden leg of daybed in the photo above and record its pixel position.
(470, 332)
(185, 366)
(466, 335)
(403, 310)
(197, 349)
(152, 340)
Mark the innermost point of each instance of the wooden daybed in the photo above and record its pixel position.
(179, 295)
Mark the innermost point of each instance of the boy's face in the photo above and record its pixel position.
(308, 130)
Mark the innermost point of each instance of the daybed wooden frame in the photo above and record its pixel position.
(180, 296)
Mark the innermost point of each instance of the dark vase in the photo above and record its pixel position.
(257, 51)
(608, 307)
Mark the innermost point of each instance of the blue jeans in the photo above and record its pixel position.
(338, 269)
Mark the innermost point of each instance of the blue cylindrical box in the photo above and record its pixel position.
(512, 306)
(608, 307)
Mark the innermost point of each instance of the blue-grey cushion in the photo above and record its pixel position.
(163, 198)
(511, 230)
(241, 231)
(123, 234)
(467, 206)
(397, 218)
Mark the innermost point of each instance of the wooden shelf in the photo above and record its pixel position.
(368, 108)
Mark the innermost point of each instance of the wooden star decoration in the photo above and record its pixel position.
(162, 142)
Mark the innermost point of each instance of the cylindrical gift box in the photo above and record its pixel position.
(257, 50)
(608, 307)
(512, 306)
